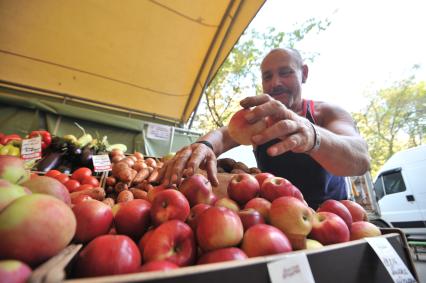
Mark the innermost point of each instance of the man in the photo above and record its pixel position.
(313, 144)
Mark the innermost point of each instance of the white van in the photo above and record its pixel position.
(400, 189)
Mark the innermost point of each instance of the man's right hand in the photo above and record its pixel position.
(186, 162)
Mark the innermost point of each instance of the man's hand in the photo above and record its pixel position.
(185, 163)
(295, 132)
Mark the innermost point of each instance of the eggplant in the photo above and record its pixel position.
(50, 161)
(86, 157)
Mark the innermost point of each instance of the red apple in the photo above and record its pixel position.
(338, 208)
(241, 130)
(196, 210)
(158, 265)
(243, 187)
(12, 169)
(172, 241)
(294, 218)
(250, 217)
(197, 189)
(9, 192)
(228, 203)
(14, 271)
(132, 218)
(362, 229)
(328, 228)
(260, 204)
(144, 239)
(94, 218)
(220, 255)
(263, 239)
(219, 227)
(49, 186)
(108, 255)
(261, 177)
(276, 187)
(357, 211)
(153, 191)
(168, 205)
(34, 228)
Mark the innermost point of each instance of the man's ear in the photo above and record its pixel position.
(305, 71)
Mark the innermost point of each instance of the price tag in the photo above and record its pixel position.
(391, 260)
(159, 132)
(31, 148)
(291, 269)
(101, 163)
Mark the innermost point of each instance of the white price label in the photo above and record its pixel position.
(159, 132)
(291, 269)
(101, 163)
(391, 260)
(31, 148)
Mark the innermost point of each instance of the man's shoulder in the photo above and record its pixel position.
(324, 111)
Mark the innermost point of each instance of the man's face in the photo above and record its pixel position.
(282, 78)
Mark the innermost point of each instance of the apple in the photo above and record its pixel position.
(328, 228)
(357, 211)
(94, 218)
(243, 187)
(241, 131)
(294, 218)
(172, 241)
(228, 203)
(362, 229)
(312, 244)
(34, 228)
(14, 271)
(197, 189)
(144, 239)
(276, 187)
(260, 204)
(132, 218)
(196, 210)
(219, 227)
(108, 255)
(261, 177)
(9, 192)
(12, 169)
(335, 206)
(153, 191)
(168, 205)
(49, 186)
(264, 239)
(158, 265)
(220, 255)
(250, 217)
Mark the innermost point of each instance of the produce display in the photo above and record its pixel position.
(129, 223)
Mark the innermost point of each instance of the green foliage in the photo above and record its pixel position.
(394, 119)
(239, 76)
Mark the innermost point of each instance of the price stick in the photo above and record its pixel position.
(291, 269)
(101, 163)
(31, 148)
(391, 260)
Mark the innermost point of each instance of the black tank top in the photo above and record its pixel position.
(315, 183)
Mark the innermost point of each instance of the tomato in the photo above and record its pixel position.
(84, 187)
(80, 173)
(72, 185)
(90, 180)
(63, 178)
(53, 173)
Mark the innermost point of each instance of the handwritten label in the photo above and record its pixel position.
(159, 132)
(291, 269)
(101, 163)
(31, 148)
(391, 260)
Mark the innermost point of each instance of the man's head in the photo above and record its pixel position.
(283, 73)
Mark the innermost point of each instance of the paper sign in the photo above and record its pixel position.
(159, 132)
(291, 269)
(101, 163)
(391, 260)
(31, 148)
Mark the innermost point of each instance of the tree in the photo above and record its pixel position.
(239, 76)
(394, 119)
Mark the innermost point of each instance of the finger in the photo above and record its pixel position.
(256, 100)
(280, 129)
(179, 165)
(199, 155)
(288, 144)
(211, 168)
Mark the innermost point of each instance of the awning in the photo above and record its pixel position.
(148, 56)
